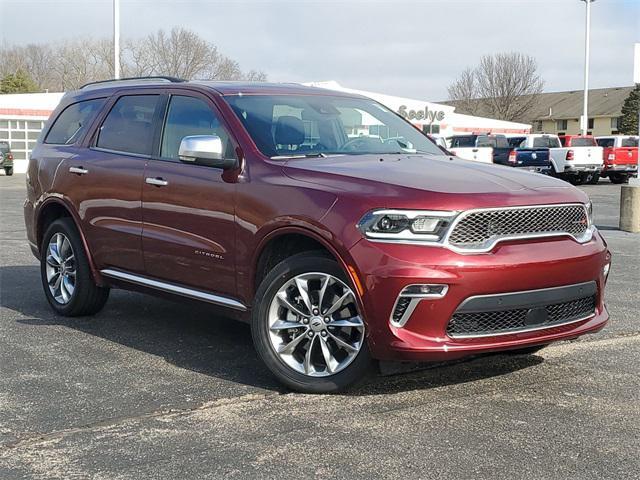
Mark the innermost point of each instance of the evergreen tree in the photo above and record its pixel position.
(630, 109)
(19, 82)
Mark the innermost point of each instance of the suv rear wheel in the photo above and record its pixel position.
(306, 325)
(66, 275)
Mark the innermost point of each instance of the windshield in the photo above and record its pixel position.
(314, 125)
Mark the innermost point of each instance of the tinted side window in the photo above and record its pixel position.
(463, 142)
(502, 142)
(629, 142)
(484, 141)
(583, 142)
(517, 141)
(73, 121)
(191, 116)
(554, 142)
(129, 125)
(541, 142)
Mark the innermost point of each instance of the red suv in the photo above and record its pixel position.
(340, 231)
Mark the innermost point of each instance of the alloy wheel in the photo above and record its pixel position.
(61, 268)
(314, 324)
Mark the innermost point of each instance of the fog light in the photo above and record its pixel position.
(424, 291)
(409, 298)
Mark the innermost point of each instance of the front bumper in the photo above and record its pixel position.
(386, 269)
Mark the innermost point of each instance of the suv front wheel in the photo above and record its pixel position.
(306, 325)
(66, 274)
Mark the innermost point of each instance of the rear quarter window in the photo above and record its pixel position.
(69, 126)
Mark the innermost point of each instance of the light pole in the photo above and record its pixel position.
(587, 35)
(116, 38)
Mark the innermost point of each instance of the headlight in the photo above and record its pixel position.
(590, 213)
(415, 225)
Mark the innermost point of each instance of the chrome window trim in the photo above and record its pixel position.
(175, 289)
(120, 152)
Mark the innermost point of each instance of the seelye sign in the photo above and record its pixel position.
(425, 114)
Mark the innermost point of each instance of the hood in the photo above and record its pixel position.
(436, 174)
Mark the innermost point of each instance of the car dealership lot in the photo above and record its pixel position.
(150, 388)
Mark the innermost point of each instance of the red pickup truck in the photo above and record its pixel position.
(620, 157)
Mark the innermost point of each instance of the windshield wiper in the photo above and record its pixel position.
(299, 155)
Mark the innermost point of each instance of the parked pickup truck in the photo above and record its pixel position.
(478, 148)
(578, 159)
(530, 152)
(620, 157)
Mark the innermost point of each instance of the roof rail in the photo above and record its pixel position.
(164, 78)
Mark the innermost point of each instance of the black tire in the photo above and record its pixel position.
(87, 298)
(525, 351)
(8, 171)
(592, 178)
(298, 264)
(618, 178)
(577, 179)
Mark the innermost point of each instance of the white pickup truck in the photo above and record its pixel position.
(472, 147)
(576, 158)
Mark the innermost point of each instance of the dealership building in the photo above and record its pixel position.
(22, 117)
(560, 112)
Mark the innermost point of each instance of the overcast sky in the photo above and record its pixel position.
(407, 48)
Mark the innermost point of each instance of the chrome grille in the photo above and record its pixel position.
(511, 321)
(481, 229)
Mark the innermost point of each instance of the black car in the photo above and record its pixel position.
(6, 158)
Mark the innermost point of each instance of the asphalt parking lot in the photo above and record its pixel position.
(155, 389)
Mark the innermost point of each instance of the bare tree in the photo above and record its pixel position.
(180, 53)
(503, 86)
(464, 91)
(72, 63)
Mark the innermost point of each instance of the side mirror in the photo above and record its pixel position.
(205, 150)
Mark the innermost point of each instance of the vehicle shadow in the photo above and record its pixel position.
(200, 338)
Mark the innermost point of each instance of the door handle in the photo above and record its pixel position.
(78, 170)
(158, 182)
